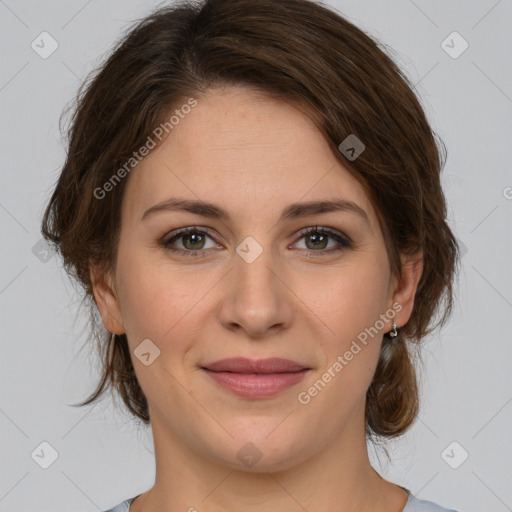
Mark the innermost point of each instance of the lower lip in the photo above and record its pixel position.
(256, 385)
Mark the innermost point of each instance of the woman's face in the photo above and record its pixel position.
(251, 284)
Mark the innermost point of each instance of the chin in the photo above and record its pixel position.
(262, 446)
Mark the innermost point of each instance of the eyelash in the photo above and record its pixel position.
(343, 241)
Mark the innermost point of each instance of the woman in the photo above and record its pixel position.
(252, 201)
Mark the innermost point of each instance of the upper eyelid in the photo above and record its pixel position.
(184, 231)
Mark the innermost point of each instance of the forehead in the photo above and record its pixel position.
(239, 148)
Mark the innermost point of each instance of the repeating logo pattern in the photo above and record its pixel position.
(468, 450)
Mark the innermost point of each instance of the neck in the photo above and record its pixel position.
(337, 477)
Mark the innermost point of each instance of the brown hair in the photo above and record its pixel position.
(299, 52)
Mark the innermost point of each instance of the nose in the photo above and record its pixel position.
(257, 301)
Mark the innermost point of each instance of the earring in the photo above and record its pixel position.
(394, 332)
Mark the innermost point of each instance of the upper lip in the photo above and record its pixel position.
(244, 365)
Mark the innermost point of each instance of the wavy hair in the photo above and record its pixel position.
(297, 51)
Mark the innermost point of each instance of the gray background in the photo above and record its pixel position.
(104, 459)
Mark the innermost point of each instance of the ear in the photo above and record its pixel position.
(406, 287)
(106, 298)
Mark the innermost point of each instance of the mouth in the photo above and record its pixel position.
(260, 378)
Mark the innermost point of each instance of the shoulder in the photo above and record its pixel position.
(416, 505)
(122, 507)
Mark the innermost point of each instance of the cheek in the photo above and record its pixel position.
(157, 300)
(157, 304)
(350, 306)
(143, 303)
(352, 297)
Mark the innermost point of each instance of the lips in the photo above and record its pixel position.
(261, 378)
(244, 365)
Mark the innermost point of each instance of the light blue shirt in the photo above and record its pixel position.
(413, 505)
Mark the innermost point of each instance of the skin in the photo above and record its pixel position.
(253, 156)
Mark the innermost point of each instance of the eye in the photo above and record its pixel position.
(317, 241)
(192, 240)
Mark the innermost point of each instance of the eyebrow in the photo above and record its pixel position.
(293, 211)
